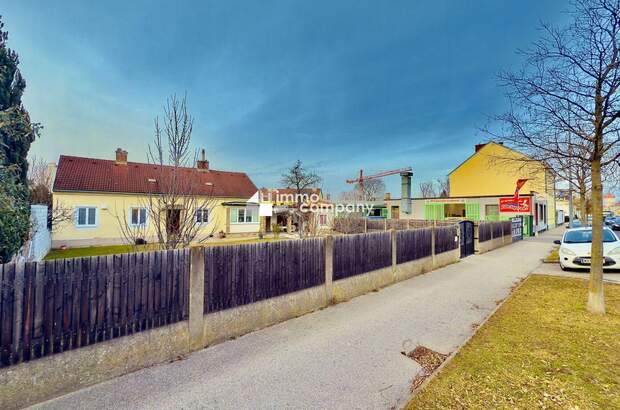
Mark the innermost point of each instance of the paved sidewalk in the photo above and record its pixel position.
(345, 356)
(553, 269)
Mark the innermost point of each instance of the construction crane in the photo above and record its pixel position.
(363, 177)
(405, 174)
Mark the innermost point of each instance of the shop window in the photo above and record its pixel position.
(454, 210)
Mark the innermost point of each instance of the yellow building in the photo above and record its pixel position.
(482, 188)
(493, 171)
(113, 201)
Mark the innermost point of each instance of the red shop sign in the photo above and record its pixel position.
(509, 205)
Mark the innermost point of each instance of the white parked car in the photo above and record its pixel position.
(576, 244)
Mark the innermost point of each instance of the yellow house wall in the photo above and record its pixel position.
(494, 170)
(111, 207)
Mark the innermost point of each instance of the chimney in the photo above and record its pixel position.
(405, 197)
(387, 196)
(121, 156)
(202, 164)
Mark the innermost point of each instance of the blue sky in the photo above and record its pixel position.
(342, 85)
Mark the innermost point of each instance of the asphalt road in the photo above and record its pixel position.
(345, 356)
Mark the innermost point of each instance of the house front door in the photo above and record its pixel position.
(173, 221)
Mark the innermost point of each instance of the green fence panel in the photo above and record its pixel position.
(472, 211)
(434, 212)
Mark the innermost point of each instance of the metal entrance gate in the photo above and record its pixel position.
(517, 228)
(467, 238)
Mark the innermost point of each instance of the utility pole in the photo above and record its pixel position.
(570, 183)
(570, 203)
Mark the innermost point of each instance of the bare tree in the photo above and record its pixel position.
(370, 190)
(40, 182)
(579, 178)
(565, 106)
(300, 180)
(427, 189)
(443, 187)
(349, 223)
(178, 200)
(349, 196)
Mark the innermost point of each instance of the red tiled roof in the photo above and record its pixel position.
(100, 175)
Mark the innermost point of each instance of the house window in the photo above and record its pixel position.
(202, 216)
(138, 216)
(454, 210)
(241, 215)
(86, 216)
(244, 215)
(323, 219)
(491, 212)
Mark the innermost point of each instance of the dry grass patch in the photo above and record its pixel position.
(540, 350)
(553, 257)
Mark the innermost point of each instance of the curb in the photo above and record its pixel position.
(459, 347)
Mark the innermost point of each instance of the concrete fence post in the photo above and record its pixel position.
(385, 224)
(502, 232)
(329, 269)
(433, 231)
(394, 254)
(196, 298)
(365, 225)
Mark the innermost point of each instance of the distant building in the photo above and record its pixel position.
(284, 202)
(609, 201)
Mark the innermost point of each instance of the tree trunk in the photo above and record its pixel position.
(596, 299)
(301, 226)
(583, 204)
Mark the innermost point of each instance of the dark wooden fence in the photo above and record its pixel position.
(485, 231)
(413, 244)
(425, 223)
(242, 274)
(348, 225)
(507, 227)
(357, 254)
(446, 238)
(356, 224)
(491, 230)
(397, 224)
(52, 306)
(376, 224)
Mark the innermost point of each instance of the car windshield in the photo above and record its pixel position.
(585, 236)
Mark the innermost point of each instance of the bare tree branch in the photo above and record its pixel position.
(176, 199)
